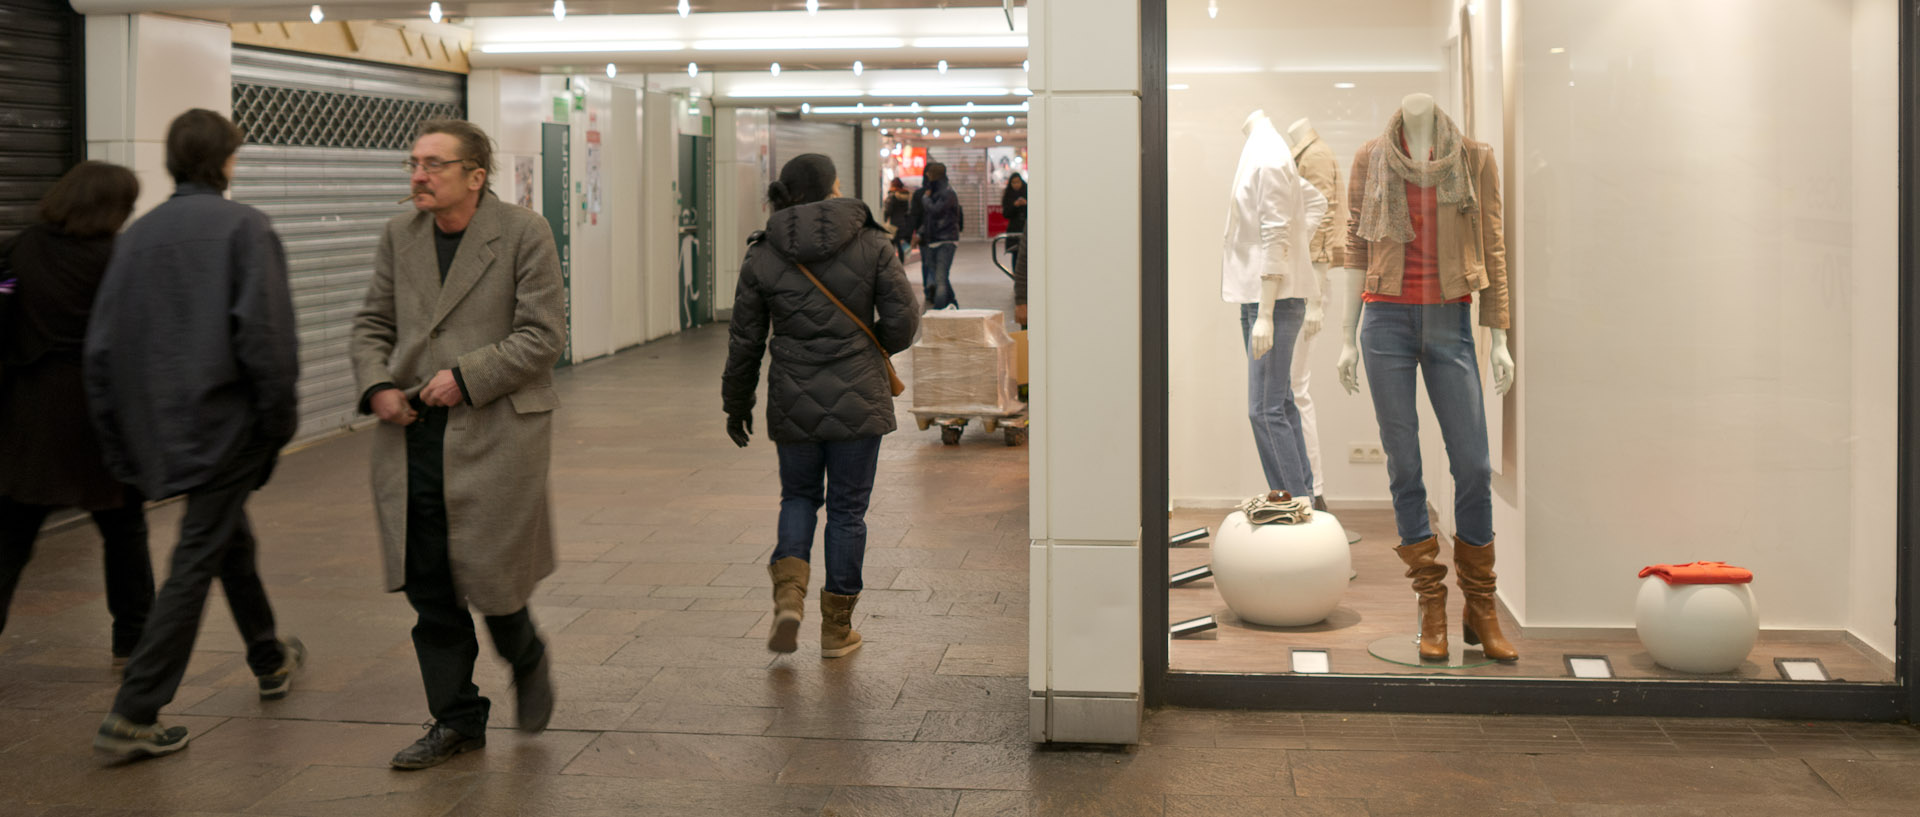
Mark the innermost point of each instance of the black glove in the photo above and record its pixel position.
(740, 429)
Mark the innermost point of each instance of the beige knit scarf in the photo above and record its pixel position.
(1383, 206)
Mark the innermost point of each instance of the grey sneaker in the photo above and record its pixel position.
(274, 685)
(128, 739)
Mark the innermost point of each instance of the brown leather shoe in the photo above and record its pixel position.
(1430, 581)
(1480, 624)
(789, 602)
(837, 636)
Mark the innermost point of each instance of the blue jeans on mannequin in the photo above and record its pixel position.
(936, 262)
(839, 476)
(1270, 406)
(1437, 341)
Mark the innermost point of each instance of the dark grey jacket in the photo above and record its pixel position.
(191, 352)
(827, 383)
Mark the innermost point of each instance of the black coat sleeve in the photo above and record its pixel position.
(916, 211)
(264, 339)
(895, 304)
(746, 344)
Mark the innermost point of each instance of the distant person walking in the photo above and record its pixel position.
(937, 221)
(1013, 205)
(191, 361)
(829, 399)
(49, 455)
(454, 351)
(899, 209)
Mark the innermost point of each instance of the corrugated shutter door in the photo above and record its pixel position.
(325, 139)
(793, 137)
(38, 104)
(967, 171)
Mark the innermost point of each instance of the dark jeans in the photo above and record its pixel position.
(838, 475)
(215, 540)
(936, 266)
(123, 534)
(443, 636)
(902, 245)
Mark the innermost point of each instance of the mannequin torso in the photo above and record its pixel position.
(1260, 339)
(1417, 128)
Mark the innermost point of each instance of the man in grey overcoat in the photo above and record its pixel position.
(454, 351)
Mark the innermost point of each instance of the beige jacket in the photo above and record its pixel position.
(501, 318)
(1473, 245)
(1319, 167)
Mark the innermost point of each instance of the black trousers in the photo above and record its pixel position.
(443, 636)
(215, 541)
(129, 568)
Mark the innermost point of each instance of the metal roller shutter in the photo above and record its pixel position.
(793, 137)
(967, 171)
(39, 103)
(325, 139)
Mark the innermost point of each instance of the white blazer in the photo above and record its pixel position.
(1270, 222)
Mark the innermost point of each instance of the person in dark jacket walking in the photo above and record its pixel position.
(898, 209)
(49, 457)
(191, 361)
(937, 221)
(829, 399)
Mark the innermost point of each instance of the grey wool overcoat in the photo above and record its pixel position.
(501, 319)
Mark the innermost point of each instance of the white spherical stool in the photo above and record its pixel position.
(1281, 575)
(1700, 628)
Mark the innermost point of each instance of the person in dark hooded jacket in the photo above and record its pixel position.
(829, 399)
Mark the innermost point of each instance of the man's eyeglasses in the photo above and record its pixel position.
(432, 165)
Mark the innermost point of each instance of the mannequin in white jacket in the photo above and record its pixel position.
(1266, 267)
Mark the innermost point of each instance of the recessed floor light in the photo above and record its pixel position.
(1801, 669)
(1311, 661)
(1589, 666)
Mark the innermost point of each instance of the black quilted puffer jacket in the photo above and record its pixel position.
(827, 383)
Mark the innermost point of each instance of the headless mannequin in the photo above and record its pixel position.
(1260, 340)
(1417, 125)
(1316, 305)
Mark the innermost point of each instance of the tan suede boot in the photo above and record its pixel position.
(837, 636)
(1430, 582)
(1481, 622)
(789, 602)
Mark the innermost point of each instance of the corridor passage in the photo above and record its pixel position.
(671, 705)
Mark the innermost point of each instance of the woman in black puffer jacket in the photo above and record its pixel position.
(828, 395)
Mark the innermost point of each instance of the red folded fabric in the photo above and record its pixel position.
(1700, 573)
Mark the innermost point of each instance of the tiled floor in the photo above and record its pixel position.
(671, 706)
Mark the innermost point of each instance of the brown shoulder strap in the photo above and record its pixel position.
(843, 307)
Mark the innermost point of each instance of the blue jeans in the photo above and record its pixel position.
(901, 245)
(935, 264)
(838, 475)
(1437, 340)
(1276, 419)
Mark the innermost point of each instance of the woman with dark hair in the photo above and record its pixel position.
(49, 455)
(898, 209)
(828, 284)
(1013, 205)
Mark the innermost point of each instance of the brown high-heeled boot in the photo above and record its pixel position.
(1480, 623)
(1430, 581)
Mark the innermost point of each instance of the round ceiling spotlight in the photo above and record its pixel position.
(685, 9)
(611, 71)
(813, 6)
(920, 120)
(966, 120)
(999, 138)
(776, 69)
(1009, 120)
(858, 68)
(559, 9)
(943, 66)
(433, 11)
(806, 107)
(316, 15)
(693, 69)
(876, 121)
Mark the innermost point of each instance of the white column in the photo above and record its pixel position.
(142, 71)
(1084, 301)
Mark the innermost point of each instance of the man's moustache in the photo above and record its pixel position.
(411, 195)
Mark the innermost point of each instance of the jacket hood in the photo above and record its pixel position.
(818, 231)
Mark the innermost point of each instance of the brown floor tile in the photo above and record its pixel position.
(1188, 805)
(668, 756)
(1682, 781)
(976, 727)
(701, 719)
(1058, 804)
(935, 765)
(583, 796)
(780, 686)
(693, 651)
(329, 791)
(965, 692)
(1435, 776)
(1872, 783)
(610, 622)
(857, 801)
(847, 724)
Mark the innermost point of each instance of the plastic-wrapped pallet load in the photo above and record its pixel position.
(963, 364)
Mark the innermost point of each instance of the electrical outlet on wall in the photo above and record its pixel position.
(1366, 453)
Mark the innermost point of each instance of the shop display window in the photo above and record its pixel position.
(1519, 302)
